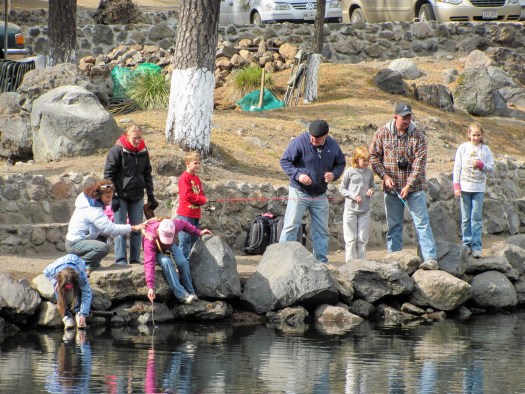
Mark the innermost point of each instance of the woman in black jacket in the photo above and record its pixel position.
(128, 166)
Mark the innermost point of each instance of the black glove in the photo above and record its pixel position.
(153, 204)
(115, 204)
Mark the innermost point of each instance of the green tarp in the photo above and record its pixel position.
(250, 102)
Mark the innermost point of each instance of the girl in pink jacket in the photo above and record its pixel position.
(159, 247)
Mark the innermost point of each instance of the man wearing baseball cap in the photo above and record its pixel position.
(312, 160)
(398, 154)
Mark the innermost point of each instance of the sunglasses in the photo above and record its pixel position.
(104, 187)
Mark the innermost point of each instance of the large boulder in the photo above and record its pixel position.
(406, 67)
(390, 81)
(18, 301)
(509, 60)
(478, 95)
(121, 282)
(374, 280)
(15, 131)
(69, 121)
(514, 255)
(435, 95)
(203, 310)
(39, 81)
(493, 290)
(439, 290)
(451, 257)
(286, 275)
(214, 269)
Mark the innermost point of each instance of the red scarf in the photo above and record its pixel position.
(124, 141)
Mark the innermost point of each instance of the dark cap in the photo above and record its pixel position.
(318, 128)
(403, 109)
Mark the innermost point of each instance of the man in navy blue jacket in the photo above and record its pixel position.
(311, 160)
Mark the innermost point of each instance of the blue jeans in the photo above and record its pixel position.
(471, 219)
(318, 207)
(180, 290)
(134, 211)
(92, 251)
(186, 241)
(394, 209)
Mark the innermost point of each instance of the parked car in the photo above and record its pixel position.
(15, 40)
(241, 12)
(522, 18)
(424, 10)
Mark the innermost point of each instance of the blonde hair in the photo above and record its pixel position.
(132, 128)
(67, 276)
(475, 126)
(192, 156)
(361, 152)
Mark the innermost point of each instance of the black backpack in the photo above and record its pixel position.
(266, 230)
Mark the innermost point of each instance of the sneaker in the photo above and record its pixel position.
(69, 322)
(189, 298)
(476, 254)
(80, 326)
(430, 264)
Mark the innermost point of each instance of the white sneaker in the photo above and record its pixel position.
(430, 264)
(69, 322)
(189, 298)
(476, 254)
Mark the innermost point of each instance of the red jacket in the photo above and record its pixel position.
(191, 196)
(149, 243)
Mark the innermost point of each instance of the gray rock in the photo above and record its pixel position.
(344, 286)
(18, 301)
(509, 60)
(288, 275)
(390, 81)
(329, 313)
(39, 81)
(161, 313)
(519, 285)
(15, 131)
(291, 316)
(121, 282)
(446, 230)
(450, 75)
(478, 95)
(374, 280)
(450, 258)
(406, 67)
(48, 315)
(362, 308)
(436, 95)
(100, 301)
(488, 263)
(214, 269)
(492, 289)
(7, 328)
(44, 287)
(514, 95)
(69, 121)
(518, 240)
(203, 310)
(393, 317)
(439, 290)
(408, 261)
(500, 78)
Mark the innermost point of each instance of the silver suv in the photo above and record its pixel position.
(424, 10)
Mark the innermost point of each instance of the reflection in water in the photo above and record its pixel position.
(481, 355)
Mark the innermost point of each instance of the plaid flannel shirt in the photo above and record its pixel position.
(388, 147)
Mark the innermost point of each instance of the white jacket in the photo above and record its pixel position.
(472, 179)
(88, 222)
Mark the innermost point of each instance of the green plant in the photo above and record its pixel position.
(149, 90)
(247, 79)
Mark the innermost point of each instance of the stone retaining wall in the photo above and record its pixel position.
(34, 210)
(344, 42)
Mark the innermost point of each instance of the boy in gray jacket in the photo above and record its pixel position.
(357, 187)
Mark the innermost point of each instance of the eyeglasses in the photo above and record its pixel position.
(103, 187)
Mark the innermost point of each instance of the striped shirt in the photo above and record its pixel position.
(388, 146)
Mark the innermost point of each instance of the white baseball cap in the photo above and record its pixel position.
(166, 231)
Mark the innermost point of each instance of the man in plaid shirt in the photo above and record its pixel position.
(399, 157)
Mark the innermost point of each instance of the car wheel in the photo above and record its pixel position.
(357, 16)
(256, 18)
(426, 13)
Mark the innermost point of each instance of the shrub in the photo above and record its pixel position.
(247, 79)
(149, 90)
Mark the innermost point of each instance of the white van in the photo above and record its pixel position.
(241, 12)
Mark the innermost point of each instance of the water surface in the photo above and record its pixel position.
(484, 354)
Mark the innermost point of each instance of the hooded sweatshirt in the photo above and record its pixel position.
(88, 222)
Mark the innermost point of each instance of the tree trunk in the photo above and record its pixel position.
(314, 60)
(193, 80)
(62, 31)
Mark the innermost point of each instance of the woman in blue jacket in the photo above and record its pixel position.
(72, 289)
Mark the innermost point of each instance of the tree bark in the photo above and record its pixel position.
(62, 27)
(193, 81)
(314, 60)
